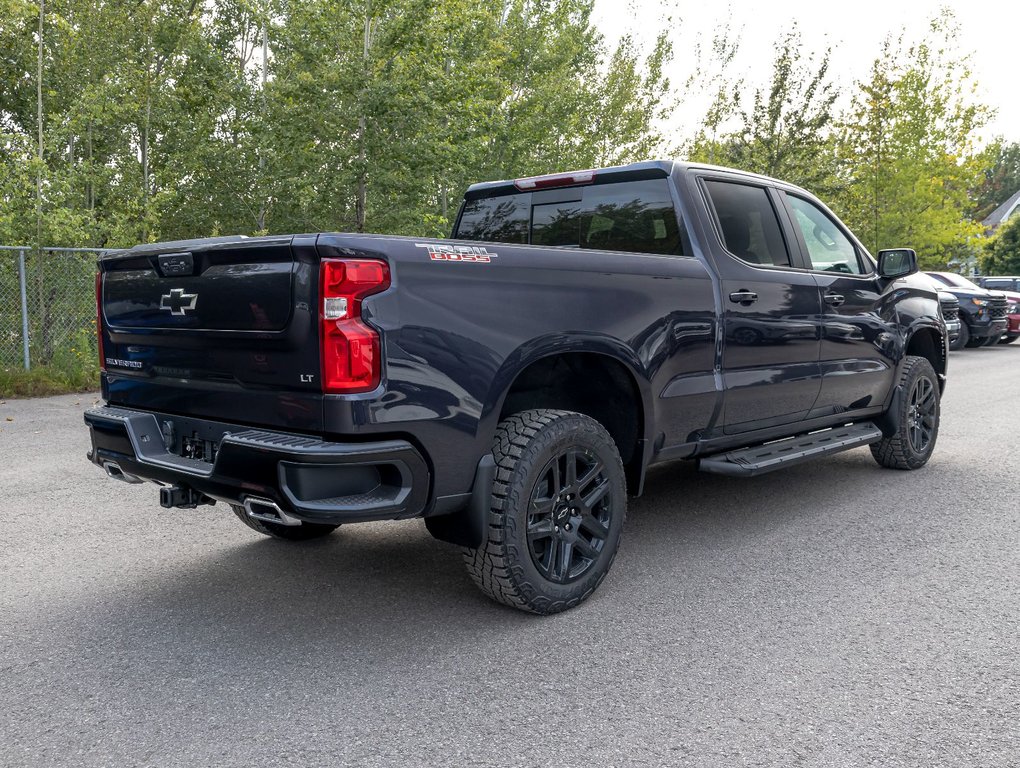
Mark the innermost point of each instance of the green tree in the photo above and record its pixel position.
(1001, 177)
(907, 149)
(786, 131)
(1001, 255)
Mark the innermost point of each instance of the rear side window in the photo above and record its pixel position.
(1000, 285)
(635, 216)
(501, 219)
(748, 223)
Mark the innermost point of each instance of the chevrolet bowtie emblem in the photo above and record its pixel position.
(177, 301)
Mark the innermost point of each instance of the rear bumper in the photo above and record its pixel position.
(311, 479)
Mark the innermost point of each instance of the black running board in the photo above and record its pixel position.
(748, 462)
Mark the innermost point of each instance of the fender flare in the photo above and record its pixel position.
(550, 345)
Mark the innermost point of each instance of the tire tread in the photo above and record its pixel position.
(494, 566)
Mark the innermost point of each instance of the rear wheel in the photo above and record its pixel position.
(918, 419)
(302, 532)
(556, 516)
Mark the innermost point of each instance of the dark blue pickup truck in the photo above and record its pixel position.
(513, 384)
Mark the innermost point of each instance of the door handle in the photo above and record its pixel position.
(743, 297)
(834, 299)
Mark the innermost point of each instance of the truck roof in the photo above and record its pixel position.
(648, 169)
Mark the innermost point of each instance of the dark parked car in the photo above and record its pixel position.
(1010, 288)
(983, 312)
(950, 308)
(513, 385)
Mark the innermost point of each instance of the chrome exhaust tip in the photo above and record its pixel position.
(113, 470)
(267, 511)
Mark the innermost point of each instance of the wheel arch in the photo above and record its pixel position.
(598, 376)
(931, 343)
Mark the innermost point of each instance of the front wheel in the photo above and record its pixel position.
(557, 508)
(1007, 339)
(918, 419)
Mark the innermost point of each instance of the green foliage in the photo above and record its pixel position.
(784, 134)
(56, 378)
(1001, 255)
(908, 151)
(1001, 178)
(366, 115)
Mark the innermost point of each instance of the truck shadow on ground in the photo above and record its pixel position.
(389, 591)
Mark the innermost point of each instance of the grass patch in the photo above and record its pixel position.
(65, 373)
(46, 380)
(73, 367)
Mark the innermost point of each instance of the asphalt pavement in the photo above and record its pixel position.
(831, 614)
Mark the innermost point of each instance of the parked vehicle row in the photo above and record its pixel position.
(987, 317)
(1010, 287)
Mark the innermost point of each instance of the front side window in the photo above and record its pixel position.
(748, 223)
(828, 248)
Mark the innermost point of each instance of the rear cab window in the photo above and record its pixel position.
(748, 224)
(633, 216)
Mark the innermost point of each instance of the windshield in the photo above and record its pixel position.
(957, 281)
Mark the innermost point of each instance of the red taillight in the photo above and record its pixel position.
(351, 350)
(558, 180)
(99, 319)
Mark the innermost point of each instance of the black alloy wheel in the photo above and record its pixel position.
(557, 510)
(922, 410)
(570, 515)
(915, 414)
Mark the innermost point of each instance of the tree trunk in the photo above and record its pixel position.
(361, 202)
(260, 220)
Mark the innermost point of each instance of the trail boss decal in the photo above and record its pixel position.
(468, 253)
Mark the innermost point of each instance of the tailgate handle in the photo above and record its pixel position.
(176, 264)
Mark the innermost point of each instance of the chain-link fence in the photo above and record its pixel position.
(47, 307)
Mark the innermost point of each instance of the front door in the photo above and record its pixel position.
(857, 350)
(770, 312)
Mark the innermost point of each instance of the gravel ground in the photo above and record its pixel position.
(830, 614)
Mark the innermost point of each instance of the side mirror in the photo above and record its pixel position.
(897, 262)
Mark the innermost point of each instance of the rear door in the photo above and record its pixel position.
(770, 310)
(220, 328)
(857, 369)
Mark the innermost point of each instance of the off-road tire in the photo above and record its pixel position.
(505, 567)
(303, 532)
(900, 451)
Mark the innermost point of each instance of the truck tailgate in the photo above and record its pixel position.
(223, 328)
